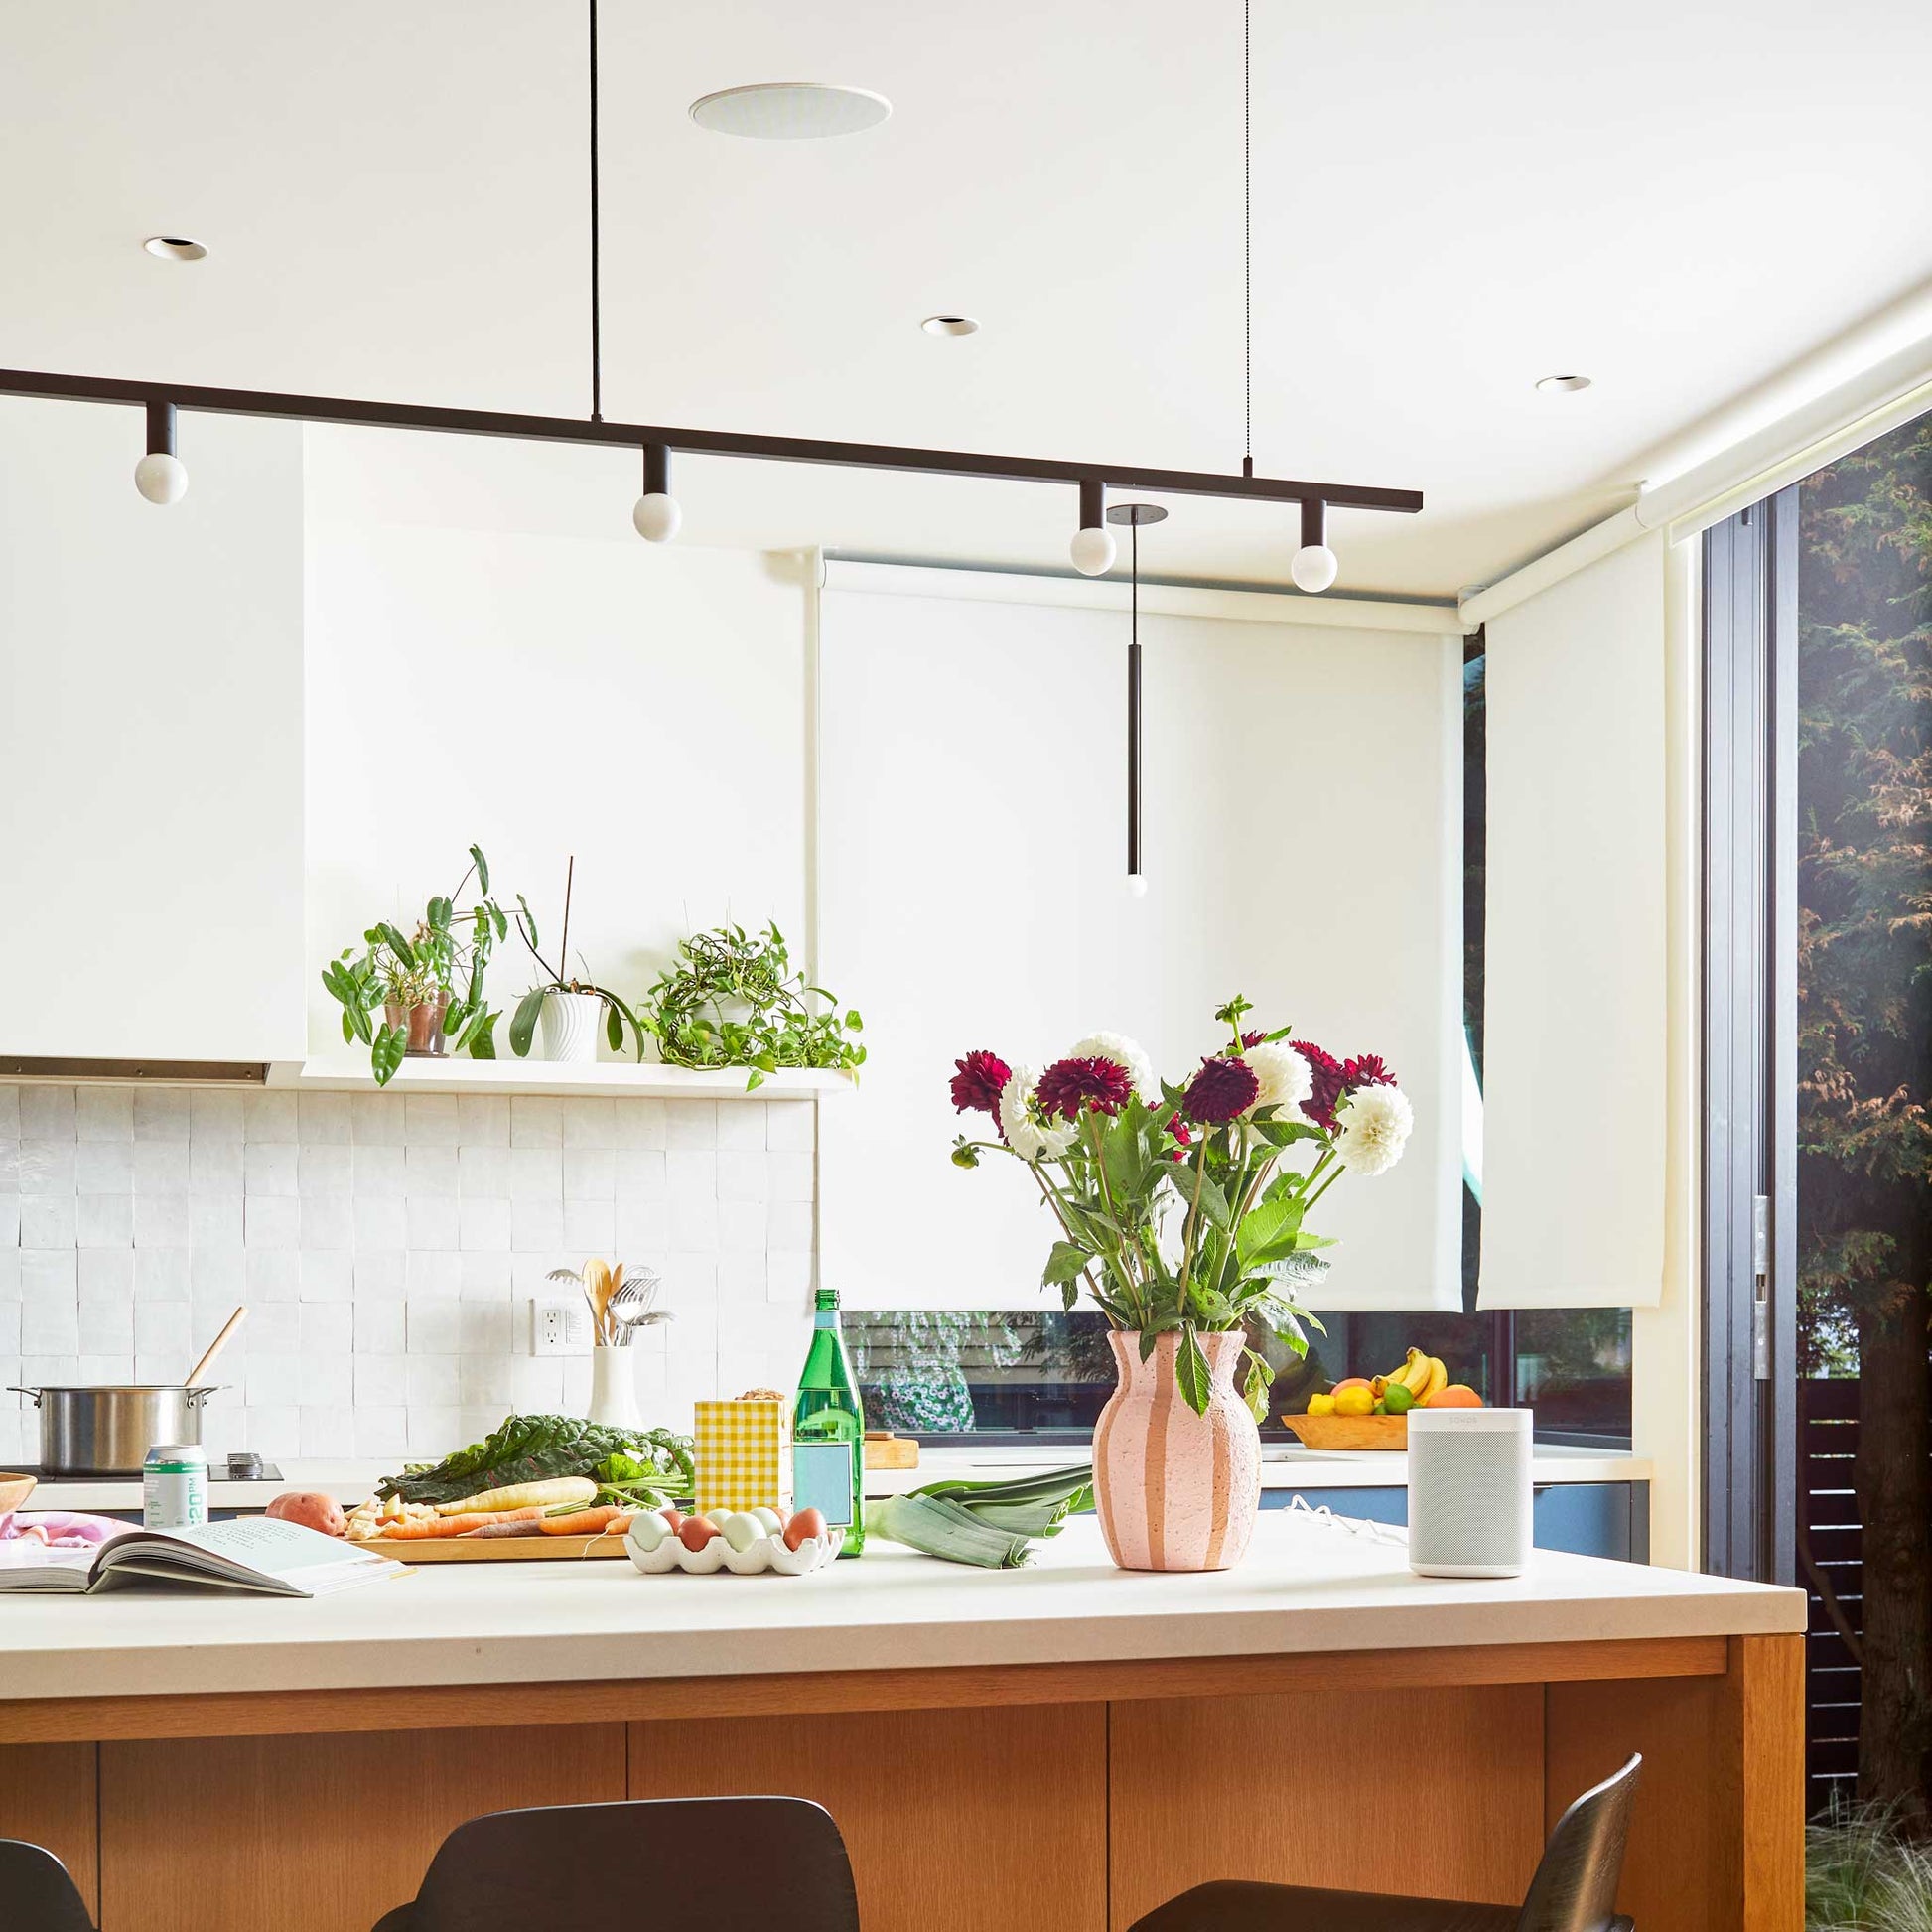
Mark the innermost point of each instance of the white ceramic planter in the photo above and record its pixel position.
(614, 1388)
(569, 1026)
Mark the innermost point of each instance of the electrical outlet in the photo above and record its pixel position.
(560, 1324)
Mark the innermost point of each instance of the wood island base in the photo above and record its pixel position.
(1063, 1797)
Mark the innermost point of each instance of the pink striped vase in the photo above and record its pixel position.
(1175, 1490)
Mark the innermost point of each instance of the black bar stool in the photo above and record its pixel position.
(1573, 1889)
(35, 1893)
(582, 1868)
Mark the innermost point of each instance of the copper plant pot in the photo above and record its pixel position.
(424, 1027)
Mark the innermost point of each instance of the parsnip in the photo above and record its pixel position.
(524, 1496)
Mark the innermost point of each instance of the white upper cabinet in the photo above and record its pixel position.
(151, 838)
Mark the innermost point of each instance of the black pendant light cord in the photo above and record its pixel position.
(597, 266)
(1247, 252)
(1134, 701)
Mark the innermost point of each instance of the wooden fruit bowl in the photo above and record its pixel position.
(1351, 1431)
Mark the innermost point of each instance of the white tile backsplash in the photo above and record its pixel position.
(388, 1246)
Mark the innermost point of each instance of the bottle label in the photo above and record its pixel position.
(825, 1319)
(821, 1480)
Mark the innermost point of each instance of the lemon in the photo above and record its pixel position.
(1354, 1402)
(1321, 1405)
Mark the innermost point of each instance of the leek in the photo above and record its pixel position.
(987, 1523)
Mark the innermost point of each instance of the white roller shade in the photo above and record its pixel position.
(1302, 842)
(1576, 1067)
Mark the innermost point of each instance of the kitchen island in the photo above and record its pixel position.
(1059, 1747)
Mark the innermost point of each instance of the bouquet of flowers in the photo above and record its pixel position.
(1183, 1210)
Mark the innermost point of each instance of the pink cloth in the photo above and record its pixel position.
(38, 1536)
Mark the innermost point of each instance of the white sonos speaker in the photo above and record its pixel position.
(1469, 1494)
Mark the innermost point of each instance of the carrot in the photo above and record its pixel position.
(460, 1525)
(522, 1523)
(606, 1521)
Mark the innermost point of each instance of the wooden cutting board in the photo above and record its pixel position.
(494, 1549)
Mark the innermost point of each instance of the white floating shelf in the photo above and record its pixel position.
(608, 1079)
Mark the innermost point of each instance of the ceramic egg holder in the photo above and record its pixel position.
(765, 1555)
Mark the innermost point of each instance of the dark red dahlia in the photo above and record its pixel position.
(1222, 1091)
(1365, 1070)
(1068, 1085)
(1183, 1139)
(978, 1083)
(1254, 1038)
(1330, 1083)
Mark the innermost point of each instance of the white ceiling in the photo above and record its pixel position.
(1450, 202)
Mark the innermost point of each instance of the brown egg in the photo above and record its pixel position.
(696, 1531)
(807, 1522)
(674, 1517)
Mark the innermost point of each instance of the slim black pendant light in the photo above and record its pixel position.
(1134, 515)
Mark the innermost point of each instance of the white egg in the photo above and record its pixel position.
(740, 1532)
(768, 1521)
(648, 1530)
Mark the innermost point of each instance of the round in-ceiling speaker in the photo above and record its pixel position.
(1471, 1497)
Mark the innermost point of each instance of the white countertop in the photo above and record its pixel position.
(1285, 1466)
(1308, 1586)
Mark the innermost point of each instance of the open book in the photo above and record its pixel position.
(254, 1553)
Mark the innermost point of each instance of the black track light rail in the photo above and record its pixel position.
(697, 442)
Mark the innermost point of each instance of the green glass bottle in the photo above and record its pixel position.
(828, 1430)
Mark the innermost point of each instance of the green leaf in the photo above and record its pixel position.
(1255, 1389)
(1192, 1372)
(614, 1028)
(530, 924)
(392, 937)
(483, 868)
(387, 1053)
(438, 915)
(1213, 1204)
(523, 1022)
(1064, 1263)
(482, 1042)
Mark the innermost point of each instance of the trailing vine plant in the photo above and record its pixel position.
(731, 1000)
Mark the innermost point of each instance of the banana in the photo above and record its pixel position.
(1414, 1373)
(1438, 1379)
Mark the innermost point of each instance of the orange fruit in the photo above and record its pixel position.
(1458, 1395)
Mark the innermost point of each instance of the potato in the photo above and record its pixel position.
(311, 1508)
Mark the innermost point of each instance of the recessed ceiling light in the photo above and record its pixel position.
(950, 326)
(173, 248)
(1563, 385)
(790, 111)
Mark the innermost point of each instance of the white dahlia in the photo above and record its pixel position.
(1285, 1078)
(1123, 1052)
(1373, 1129)
(1026, 1133)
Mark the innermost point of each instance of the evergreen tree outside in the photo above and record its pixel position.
(1864, 1050)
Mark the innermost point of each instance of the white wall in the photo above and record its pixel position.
(1303, 844)
(149, 741)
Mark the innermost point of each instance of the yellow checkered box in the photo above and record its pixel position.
(744, 1454)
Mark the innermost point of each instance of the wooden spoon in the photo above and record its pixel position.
(197, 1374)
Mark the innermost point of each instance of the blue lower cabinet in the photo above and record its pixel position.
(1588, 1519)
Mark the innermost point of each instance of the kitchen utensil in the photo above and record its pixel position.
(108, 1429)
(633, 1306)
(14, 1490)
(198, 1374)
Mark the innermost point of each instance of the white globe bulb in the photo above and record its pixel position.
(160, 478)
(1314, 568)
(1093, 550)
(1137, 885)
(658, 517)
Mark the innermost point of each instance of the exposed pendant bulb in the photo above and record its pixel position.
(161, 476)
(1093, 543)
(657, 515)
(1314, 565)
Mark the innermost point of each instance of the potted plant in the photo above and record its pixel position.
(569, 1008)
(1181, 1212)
(731, 1000)
(414, 978)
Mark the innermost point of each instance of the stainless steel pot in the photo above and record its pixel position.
(108, 1431)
